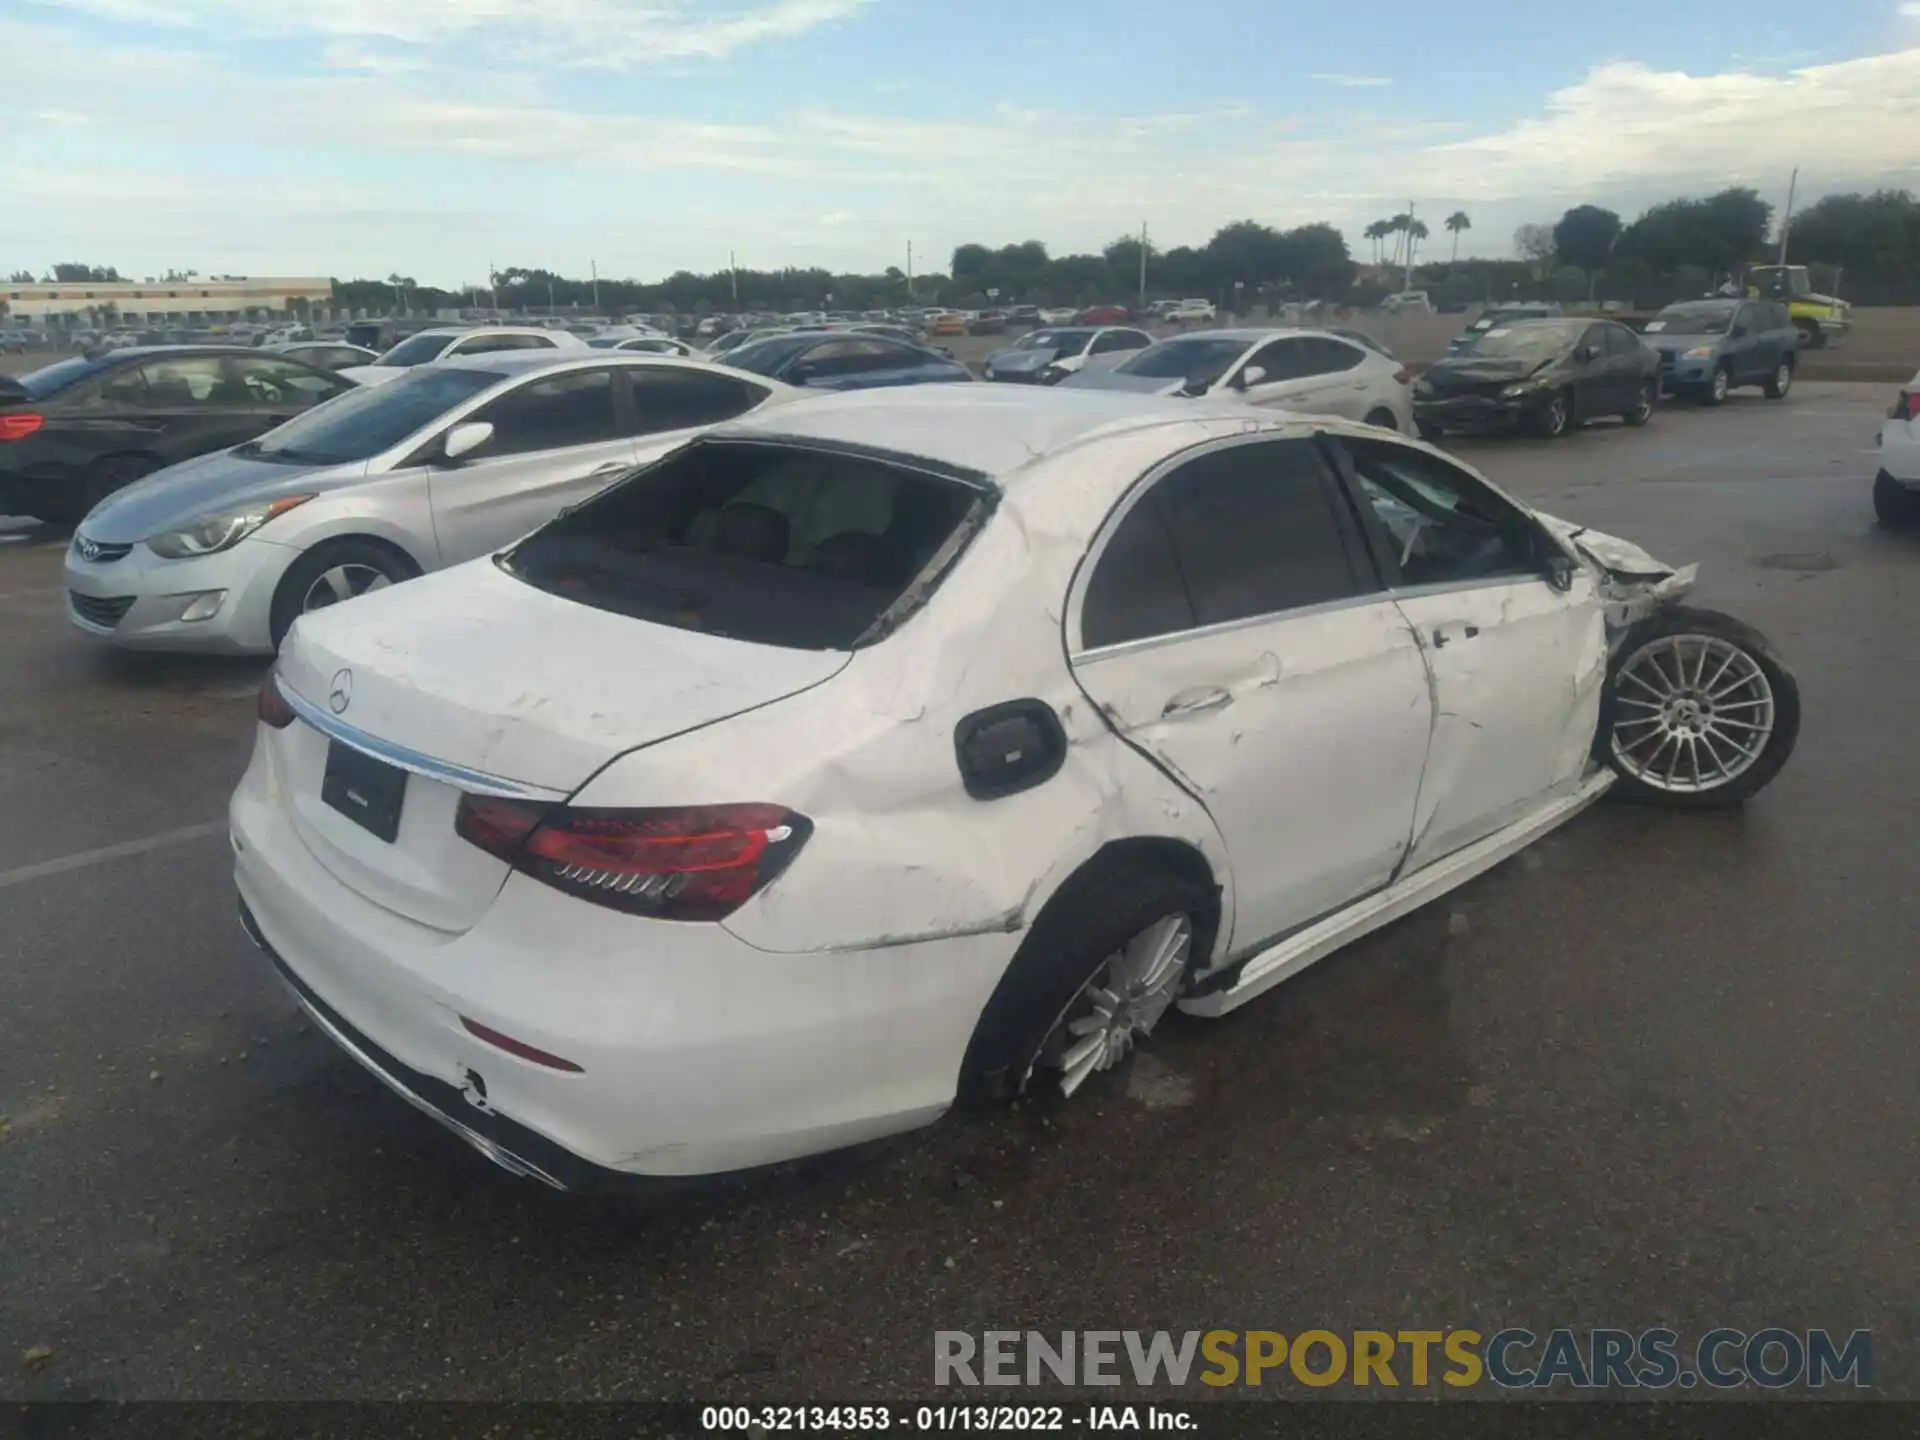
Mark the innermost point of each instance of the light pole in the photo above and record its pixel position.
(1143, 266)
(1787, 218)
(594, 267)
(733, 279)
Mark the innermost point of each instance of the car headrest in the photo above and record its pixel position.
(753, 532)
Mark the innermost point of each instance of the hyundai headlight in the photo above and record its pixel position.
(1514, 392)
(1698, 352)
(210, 534)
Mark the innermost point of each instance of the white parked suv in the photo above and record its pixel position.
(1191, 312)
(1896, 488)
(902, 744)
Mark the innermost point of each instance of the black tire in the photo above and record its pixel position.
(1895, 506)
(1642, 410)
(1781, 380)
(1429, 432)
(1555, 418)
(1095, 913)
(290, 596)
(1717, 386)
(1774, 753)
(1384, 419)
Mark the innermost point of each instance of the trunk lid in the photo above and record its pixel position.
(473, 680)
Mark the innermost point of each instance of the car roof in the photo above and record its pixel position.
(1717, 302)
(985, 430)
(1249, 334)
(505, 363)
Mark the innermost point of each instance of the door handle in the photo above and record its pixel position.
(1197, 702)
(1441, 637)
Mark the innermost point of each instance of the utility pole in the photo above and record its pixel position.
(1787, 218)
(1407, 284)
(493, 286)
(1143, 267)
(551, 306)
(909, 270)
(594, 267)
(733, 278)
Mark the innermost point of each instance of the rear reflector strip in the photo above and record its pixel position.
(519, 1047)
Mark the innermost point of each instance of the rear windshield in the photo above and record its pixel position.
(39, 384)
(361, 423)
(777, 544)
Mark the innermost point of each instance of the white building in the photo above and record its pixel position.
(195, 301)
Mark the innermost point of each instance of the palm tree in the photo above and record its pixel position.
(1456, 222)
(1397, 227)
(1376, 232)
(1416, 232)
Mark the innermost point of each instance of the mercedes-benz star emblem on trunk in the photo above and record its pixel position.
(340, 694)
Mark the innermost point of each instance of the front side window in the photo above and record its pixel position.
(1198, 362)
(415, 350)
(1443, 525)
(1286, 359)
(574, 408)
(1622, 341)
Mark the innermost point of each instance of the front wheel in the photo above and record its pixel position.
(1641, 410)
(1699, 712)
(1717, 386)
(330, 574)
(1780, 381)
(1555, 418)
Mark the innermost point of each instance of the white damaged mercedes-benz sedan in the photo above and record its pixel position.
(897, 746)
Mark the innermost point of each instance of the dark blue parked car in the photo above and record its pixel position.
(840, 360)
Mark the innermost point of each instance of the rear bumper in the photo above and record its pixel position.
(698, 1053)
(1900, 453)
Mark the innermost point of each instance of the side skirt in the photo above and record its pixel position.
(1261, 972)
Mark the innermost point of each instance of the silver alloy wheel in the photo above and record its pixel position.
(1696, 713)
(1557, 414)
(1719, 384)
(1783, 377)
(1122, 999)
(1643, 407)
(342, 582)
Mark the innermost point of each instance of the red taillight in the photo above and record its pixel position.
(272, 707)
(19, 426)
(1403, 375)
(1907, 407)
(699, 862)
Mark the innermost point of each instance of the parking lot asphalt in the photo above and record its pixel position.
(1658, 1069)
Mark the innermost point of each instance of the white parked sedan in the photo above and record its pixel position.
(427, 346)
(1896, 488)
(226, 551)
(902, 744)
(1312, 371)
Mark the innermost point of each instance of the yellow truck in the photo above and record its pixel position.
(1821, 319)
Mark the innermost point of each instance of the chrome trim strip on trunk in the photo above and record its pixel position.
(474, 782)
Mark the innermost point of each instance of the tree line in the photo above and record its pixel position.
(1867, 243)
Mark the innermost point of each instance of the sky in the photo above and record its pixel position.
(437, 138)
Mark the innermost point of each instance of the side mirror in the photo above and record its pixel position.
(1583, 353)
(1560, 569)
(465, 438)
(1251, 376)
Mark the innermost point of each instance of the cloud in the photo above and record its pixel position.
(428, 155)
(1910, 9)
(1353, 82)
(593, 34)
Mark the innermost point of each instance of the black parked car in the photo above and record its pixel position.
(80, 429)
(1707, 347)
(1544, 376)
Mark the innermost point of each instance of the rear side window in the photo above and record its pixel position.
(575, 408)
(1256, 531)
(1137, 590)
(775, 544)
(670, 399)
(190, 381)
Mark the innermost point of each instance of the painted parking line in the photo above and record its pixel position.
(87, 858)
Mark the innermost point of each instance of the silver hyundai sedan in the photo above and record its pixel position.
(450, 461)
